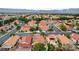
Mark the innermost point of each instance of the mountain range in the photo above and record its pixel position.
(63, 11)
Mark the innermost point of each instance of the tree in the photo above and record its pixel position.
(1, 23)
(67, 35)
(59, 46)
(18, 27)
(62, 27)
(59, 43)
(50, 29)
(64, 18)
(39, 47)
(25, 20)
(51, 47)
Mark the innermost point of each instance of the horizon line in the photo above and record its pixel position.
(40, 9)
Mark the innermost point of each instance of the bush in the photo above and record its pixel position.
(39, 47)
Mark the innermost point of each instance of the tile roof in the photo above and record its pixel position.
(38, 38)
(25, 41)
(11, 41)
(31, 23)
(51, 37)
(63, 39)
(75, 36)
(43, 22)
(69, 27)
(25, 27)
(43, 25)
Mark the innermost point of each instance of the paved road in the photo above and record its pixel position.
(7, 35)
(57, 29)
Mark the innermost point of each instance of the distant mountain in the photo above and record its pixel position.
(63, 11)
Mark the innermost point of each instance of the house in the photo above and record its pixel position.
(69, 22)
(51, 38)
(69, 28)
(43, 22)
(75, 37)
(25, 41)
(38, 38)
(63, 39)
(43, 25)
(25, 27)
(31, 23)
(9, 43)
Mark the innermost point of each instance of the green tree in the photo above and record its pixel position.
(18, 27)
(39, 47)
(25, 20)
(64, 18)
(59, 43)
(62, 27)
(51, 47)
(1, 23)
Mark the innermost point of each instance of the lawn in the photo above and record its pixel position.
(2, 32)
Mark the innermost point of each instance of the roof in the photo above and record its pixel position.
(25, 27)
(69, 27)
(38, 38)
(10, 42)
(31, 23)
(43, 25)
(43, 22)
(51, 36)
(75, 36)
(26, 39)
(63, 39)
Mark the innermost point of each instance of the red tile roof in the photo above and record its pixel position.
(51, 37)
(43, 25)
(11, 41)
(31, 23)
(43, 22)
(75, 36)
(38, 38)
(25, 41)
(63, 39)
(25, 27)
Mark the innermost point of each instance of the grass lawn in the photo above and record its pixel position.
(2, 32)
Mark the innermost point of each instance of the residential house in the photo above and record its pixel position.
(75, 37)
(9, 43)
(25, 41)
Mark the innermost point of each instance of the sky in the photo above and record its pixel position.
(39, 4)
